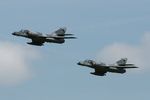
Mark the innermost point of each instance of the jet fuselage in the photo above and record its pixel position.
(101, 68)
(39, 39)
(104, 68)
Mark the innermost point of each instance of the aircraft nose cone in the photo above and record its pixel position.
(78, 63)
(13, 33)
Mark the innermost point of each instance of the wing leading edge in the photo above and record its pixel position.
(37, 41)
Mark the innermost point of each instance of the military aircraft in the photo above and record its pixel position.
(39, 39)
(101, 68)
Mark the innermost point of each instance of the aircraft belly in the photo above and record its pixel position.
(34, 36)
(100, 67)
(116, 70)
(37, 38)
(55, 40)
(37, 44)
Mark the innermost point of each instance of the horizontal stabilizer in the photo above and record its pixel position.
(127, 67)
(70, 37)
(129, 64)
(62, 37)
(68, 34)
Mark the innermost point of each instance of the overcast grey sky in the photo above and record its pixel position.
(106, 31)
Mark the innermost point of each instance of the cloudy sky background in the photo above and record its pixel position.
(106, 30)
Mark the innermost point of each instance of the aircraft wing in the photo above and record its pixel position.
(38, 42)
(99, 72)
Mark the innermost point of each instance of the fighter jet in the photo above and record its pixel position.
(39, 39)
(101, 68)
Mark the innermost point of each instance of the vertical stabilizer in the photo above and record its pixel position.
(60, 31)
(122, 62)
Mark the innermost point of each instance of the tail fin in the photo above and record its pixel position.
(60, 34)
(122, 62)
(61, 31)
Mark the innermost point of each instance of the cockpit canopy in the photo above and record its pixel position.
(24, 31)
(94, 63)
(90, 61)
(39, 33)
